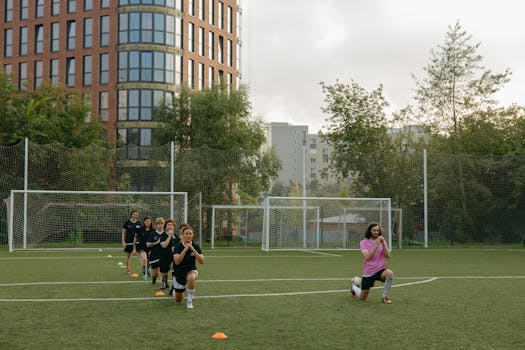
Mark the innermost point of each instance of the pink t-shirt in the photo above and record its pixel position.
(377, 262)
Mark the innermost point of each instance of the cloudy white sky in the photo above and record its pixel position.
(289, 46)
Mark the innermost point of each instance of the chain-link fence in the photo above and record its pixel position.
(471, 200)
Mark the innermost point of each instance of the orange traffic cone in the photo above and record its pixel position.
(135, 275)
(219, 335)
(159, 294)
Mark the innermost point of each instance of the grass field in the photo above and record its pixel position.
(442, 299)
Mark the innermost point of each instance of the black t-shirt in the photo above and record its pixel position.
(188, 262)
(132, 229)
(156, 250)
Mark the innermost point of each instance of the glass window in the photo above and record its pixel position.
(191, 46)
(220, 18)
(145, 137)
(201, 10)
(8, 70)
(70, 71)
(55, 7)
(170, 30)
(134, 66)
(191, 7)
(158, 74)
(211, 12)
(103, 105)
(8, 43)
(220, 50)
(122, 104)
(24, 9)
(8, 15)
(122, 67)
(170, 68)
(39, 8)
(104, 30)
(23, 41)
(211, 76)
(159, 28)
(39, 39)
(134, 27)
(133, 104)
(55, 40)
(104, 68)
(211, 45)
(87, 70)
(200, 84)
(123, 28)
(201, 41)
(88, 32)
(190, 73)
(147, 27)
(230, 20)
(53, 71)
(104, 4)
(71, 6)
(22, 76)
(39, 73)
(146, 107)
(71, 31)
(88, 5)
(146, 66)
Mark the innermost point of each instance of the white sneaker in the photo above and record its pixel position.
(189, 305)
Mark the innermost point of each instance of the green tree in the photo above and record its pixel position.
(357, 135)
(456, 100)
(456, 83)
(45, 115)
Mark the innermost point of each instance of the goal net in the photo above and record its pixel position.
(242, 225)
(39, 219)
(338, 223)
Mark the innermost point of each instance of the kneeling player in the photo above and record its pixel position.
(184, 267)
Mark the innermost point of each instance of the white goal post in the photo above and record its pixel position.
(340, 224)
(44, 219)
(245, 222)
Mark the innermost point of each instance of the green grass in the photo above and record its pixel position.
(277, 300)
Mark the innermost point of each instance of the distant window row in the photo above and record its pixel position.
(215, 13)
(23, 9)
(140, 104)
(149, 66)
(148, 27)
(54, 37)
(176, 4)
(69, 67)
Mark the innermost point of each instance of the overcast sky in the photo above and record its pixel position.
(289, 46)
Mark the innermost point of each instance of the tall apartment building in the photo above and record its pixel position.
(124, 56)
(302, 154)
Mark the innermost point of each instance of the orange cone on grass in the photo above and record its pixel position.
(219, 335)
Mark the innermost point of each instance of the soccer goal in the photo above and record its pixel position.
(242, 225)
(338, 223)
(40, 219)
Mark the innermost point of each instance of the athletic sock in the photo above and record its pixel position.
(189, 295)
(388, 285)
(356, 290)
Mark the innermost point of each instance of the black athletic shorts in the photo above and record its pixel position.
(368, 282)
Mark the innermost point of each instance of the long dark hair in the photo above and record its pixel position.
(368, 232)
(144, 223)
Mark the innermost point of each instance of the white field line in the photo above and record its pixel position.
(320, 255)
(424, 280)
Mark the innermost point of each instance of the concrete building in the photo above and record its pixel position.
(309, 161)
(124, 56)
